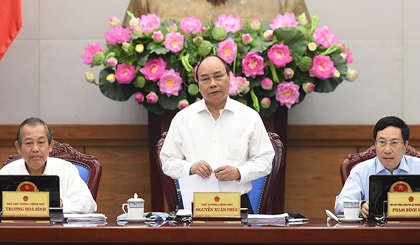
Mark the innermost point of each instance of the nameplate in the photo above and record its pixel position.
(217, 204)
(404, 204)
(26, 204)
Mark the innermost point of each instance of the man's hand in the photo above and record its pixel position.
(227, 173)
(201, 168)
(365, 209)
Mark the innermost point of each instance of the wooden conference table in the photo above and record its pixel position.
(316, 231)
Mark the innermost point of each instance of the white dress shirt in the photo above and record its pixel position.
(74, 192)
(237, 138)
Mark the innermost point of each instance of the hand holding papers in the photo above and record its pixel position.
(195, 183)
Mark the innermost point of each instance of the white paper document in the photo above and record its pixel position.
(195, 183)
(266, 219)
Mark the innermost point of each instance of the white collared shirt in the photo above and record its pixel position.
(237, 138)
(74, 193)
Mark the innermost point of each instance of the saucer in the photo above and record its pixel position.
(350, 220)
(136, 220)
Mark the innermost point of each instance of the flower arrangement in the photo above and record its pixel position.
(272, 63)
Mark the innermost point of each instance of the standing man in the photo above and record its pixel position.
(34, 143)
(218, 134)
(391, 139)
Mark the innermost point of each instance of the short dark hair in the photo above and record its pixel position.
(392, 121)
(222, 60)
(33, 121)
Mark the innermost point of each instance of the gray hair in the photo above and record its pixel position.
(33, 121)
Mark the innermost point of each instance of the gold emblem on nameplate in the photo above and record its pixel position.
(400, 186)
(27, 186)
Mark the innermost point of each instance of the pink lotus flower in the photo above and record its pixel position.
(323, 36)
(117, 34)
(170, 83)
(267, 84)
(227, 50)
(322, 67)
(288, 19)
(287, 93)
(90, 51)
(346, 54)
(125, 73)
(182, 104)
(191, 25)
(153, 69)
(233, 87)
(149, 23)
(174, 41)
(279, 55)
(253, 64)
(152, 98)
(139, 97)
(265, 102)
(230, 23)
(114, 21)
(158, 37)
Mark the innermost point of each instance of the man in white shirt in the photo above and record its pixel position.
(218, 134)
(34, 143)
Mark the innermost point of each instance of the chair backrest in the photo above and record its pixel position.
(90, 170)
(263, 189)
(354, 159)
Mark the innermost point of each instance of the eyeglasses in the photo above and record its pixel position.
(392, 143)
(206, 79)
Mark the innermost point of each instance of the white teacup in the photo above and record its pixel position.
(352, 209)
(135, 207)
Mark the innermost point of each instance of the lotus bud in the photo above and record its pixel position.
(114, 21)
(344, 56)
(268, 35)
(136, 32)
(110, 78)
(182, 104)
(288, 73)
(336, 73)
(308, 87)
(133, 22)
(152, 98)
(246, 39)
(139, 97)
(90, 77)
(98, 58)
(198, 40)
(265, 102)
(351, 75)
(112, 62)
(140, 82)
(302, 19)
(158, 37)
(126, 46)
(139, 48)
(255, 24)
(206, 31)
(267, 84)
(172, 27)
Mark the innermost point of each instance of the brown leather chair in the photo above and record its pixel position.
(263, 189)
(353, 159)
(89, 168)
